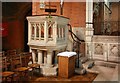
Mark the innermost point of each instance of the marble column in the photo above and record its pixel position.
(33, 56)
(40, 57)
(45, 57)
(49, 58)
(89, 27)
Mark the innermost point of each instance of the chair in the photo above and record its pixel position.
(24, 59)
(16, 65)
(29, 61)
(11, 52)
(6, 75)
(19, 50)
(2, 54)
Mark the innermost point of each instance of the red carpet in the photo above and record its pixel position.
(89, 77)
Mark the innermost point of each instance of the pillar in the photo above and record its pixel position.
(89, 13)
(89, 27)
(33, 56)
(45, 58)
(49, 58)
(40, 57)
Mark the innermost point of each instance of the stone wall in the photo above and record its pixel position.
(105, 48)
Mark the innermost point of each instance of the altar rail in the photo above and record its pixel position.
(106, 48)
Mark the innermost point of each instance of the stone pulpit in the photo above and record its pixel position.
(46, 35)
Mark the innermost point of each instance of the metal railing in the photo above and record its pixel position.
(76, 45)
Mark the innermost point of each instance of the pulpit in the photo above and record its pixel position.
(47, 34)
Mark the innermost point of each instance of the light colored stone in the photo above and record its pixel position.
(33, 56)
(105, 48)
(83, 59)
(49, 58)
(46, 71)
(105, 73)
(80, 71)
(88, 64)
(40, 57)
(45, 35)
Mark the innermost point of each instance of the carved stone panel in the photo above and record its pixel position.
(98, 49)
(114, 50)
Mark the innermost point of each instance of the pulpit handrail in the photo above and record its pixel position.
(78, 41)
(72, 33)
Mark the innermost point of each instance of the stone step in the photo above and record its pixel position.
(80, 71)
(92, 71)
(83, 59)
(89, 64)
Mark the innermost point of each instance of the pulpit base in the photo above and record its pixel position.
(49, 71)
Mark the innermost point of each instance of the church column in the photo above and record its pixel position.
(49, 58)
(89, 27)
(40, 57)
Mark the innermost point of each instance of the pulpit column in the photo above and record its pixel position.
(45, 58)
(40, 57)
(33, 56)
(49, 58)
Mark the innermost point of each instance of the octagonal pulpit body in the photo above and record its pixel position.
(47, 32)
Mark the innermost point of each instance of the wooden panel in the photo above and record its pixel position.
(66, 66)
(71, 66)
(62, 65)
